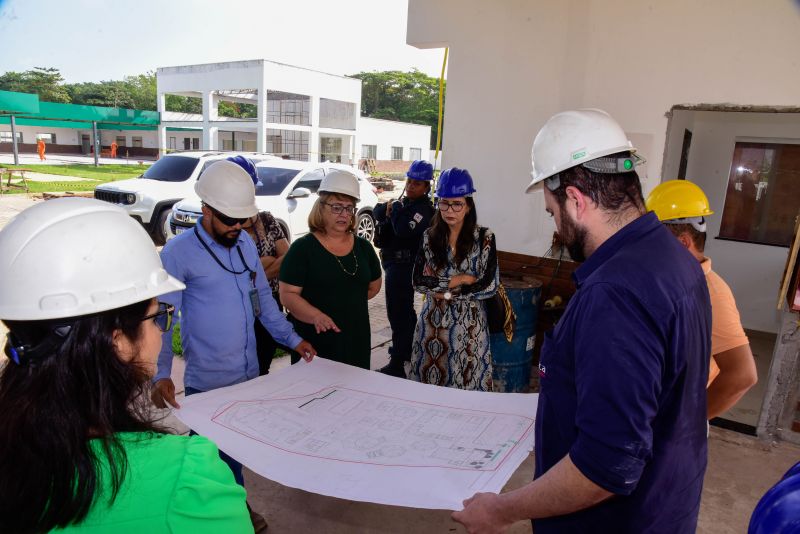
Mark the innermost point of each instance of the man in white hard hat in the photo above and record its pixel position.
(226, 289)
(621, 420)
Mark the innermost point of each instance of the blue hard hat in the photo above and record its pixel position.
(779, 508)
(247, 165)
(420, 170)
(454, 183)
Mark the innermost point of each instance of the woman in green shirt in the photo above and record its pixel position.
(328, 276)
(79, 449)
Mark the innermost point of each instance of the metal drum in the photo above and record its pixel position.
(511, 361)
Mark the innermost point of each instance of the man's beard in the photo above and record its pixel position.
(573, 237)
(225, 240)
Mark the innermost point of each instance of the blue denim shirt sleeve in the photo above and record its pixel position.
(175, 298)
(271, 316)
(618, 385)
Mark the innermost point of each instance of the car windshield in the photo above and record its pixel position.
(273, 180)
(171, 169)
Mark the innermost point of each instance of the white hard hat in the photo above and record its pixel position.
(572, 138)
(75, 256)
(226, 187)
(341, 181)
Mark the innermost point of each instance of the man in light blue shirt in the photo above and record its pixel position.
(226, 289)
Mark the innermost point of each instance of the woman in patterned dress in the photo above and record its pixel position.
(272, 245)
(456, 268)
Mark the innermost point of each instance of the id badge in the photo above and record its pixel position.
(255, 302)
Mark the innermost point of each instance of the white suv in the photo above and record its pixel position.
(150, 197)
(287, 189)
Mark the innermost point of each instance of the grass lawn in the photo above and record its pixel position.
(101, 174)
(104, 173)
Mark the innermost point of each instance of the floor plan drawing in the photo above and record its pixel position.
(337, 430)
(355, 426)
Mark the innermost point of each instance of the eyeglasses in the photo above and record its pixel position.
(444, 205)
(339, 208)
(163, 317)
(228, 221)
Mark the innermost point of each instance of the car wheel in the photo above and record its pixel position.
(366, 226)
(160, 230)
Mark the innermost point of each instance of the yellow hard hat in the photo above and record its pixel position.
(678, 199)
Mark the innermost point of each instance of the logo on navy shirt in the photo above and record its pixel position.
(542, 371)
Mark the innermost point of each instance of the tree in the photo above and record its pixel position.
(401, 96)
(44, 81)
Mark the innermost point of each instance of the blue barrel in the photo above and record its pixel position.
(511, 361)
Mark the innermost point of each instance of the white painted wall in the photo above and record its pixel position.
(386, 134)
(753, 271)
(515, 63)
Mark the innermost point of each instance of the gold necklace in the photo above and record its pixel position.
(341, 265)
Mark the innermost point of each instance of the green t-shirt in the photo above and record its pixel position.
(337, 286)
(173, 484)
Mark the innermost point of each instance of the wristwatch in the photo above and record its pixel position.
(447, 295)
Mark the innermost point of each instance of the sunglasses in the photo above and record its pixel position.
(444, 205)
(163, 317)
(228, 221)
(339, 208)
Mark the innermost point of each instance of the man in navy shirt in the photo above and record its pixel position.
(620, 426)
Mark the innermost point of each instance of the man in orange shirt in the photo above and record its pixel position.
(40, 148)
(682, 207)
(113, 149)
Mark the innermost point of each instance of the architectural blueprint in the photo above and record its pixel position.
(338, 430)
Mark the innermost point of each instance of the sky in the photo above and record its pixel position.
(94, 40)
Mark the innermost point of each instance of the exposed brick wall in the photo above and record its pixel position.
(388, 166)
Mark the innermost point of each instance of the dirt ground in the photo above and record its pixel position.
(740, 469)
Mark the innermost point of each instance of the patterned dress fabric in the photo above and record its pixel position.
(268, 231)
(451, 340)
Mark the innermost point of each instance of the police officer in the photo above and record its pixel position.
(399, 229)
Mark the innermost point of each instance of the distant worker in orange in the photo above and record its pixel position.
(113, 149)
(40, 148)
(682, 207)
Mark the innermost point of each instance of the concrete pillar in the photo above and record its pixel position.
(161, 106)
(313, 136)
(783, 380)
(210, 116)
(261, 126)
(14, 146)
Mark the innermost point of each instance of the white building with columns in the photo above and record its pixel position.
(303, 113)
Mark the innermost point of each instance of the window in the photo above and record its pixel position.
(397, 152)
(330, 149)
(5, 137)
(196, 143)
(273, 180)
(172, 169)
(288, 108)
(291, 143)
(763, 194)
(173, 143)
(369, 151)
(311, 180)
(136, 141)
(48, 138)
(414, 153)
(120, 140)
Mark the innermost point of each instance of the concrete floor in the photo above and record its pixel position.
(740, 470)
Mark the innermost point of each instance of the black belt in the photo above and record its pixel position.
(397, 255)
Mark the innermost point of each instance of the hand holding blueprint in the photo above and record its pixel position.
(337, 430)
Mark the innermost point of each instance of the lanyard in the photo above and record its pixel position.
(239, 250)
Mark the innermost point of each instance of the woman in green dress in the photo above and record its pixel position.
(328, 276)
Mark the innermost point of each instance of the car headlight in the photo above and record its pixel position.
(130, 198)
(189, 218)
